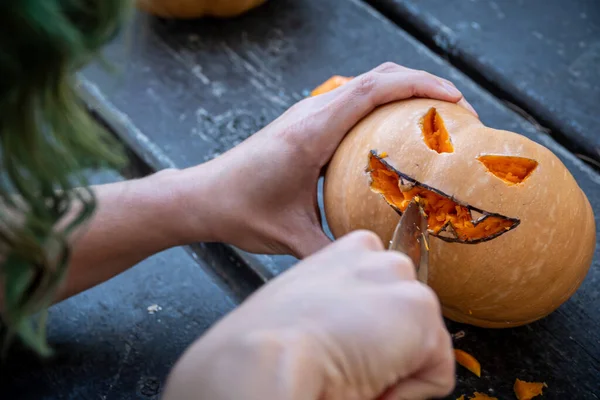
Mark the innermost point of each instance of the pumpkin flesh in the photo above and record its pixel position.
(435, 134)
(511, 170)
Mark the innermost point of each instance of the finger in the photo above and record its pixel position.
(348, 104)
(360, 239)
(465, 104)
(349, 245)
(354, 242)
(436, 380)
(382, 86)
(387, 267)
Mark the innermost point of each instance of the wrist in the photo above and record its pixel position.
(158, 196)
(190, 204)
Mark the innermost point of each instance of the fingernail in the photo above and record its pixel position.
(469, 107)
(472, 110)
(451, 90)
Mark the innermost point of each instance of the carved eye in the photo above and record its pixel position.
(435, 135)
(512, 170)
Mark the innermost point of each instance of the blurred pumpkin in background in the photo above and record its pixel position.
(198, 8)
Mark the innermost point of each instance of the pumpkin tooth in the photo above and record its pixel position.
(444, 214)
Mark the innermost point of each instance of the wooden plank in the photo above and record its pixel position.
(542, 55)
(194, 89)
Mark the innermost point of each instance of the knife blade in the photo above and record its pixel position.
(411, 238)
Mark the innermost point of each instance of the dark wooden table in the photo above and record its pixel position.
(191, 90)
(541, 56)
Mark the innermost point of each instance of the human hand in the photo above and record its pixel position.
(350, 322)
(264, 191)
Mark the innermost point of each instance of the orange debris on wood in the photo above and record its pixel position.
(468, 361)
(481, 396)
(528, 390)
(330, 84)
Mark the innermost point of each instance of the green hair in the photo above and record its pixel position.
(47, 141)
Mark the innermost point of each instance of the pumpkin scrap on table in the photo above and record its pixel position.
(528, 390)
(478, 396)
(495, 202)
(468, 361)
(330, 84)
(198, 8)
(482, 396)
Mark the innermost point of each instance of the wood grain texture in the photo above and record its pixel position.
(542, 55)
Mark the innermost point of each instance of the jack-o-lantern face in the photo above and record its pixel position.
(507, 220)
(448, 218)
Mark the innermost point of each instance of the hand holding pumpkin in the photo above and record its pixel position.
(267, 186)
(349, 322)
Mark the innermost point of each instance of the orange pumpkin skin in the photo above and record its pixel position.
(185, 9)
(513, 279)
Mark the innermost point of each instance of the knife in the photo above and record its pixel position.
(411, 238)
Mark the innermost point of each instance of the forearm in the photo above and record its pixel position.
(134, 220)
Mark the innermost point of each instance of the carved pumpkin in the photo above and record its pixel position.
(512, 235)
(198, 8)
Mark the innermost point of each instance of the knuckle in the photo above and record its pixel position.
(365, 84)
(366, 239)
(427, 300)
(387, 66)
(424, 76)
(402, 264)
(447, 81)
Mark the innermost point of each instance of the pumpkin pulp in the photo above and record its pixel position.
(510, 169)
(435, 135)
(442, 212)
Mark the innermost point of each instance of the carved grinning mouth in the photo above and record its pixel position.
(448, 219)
